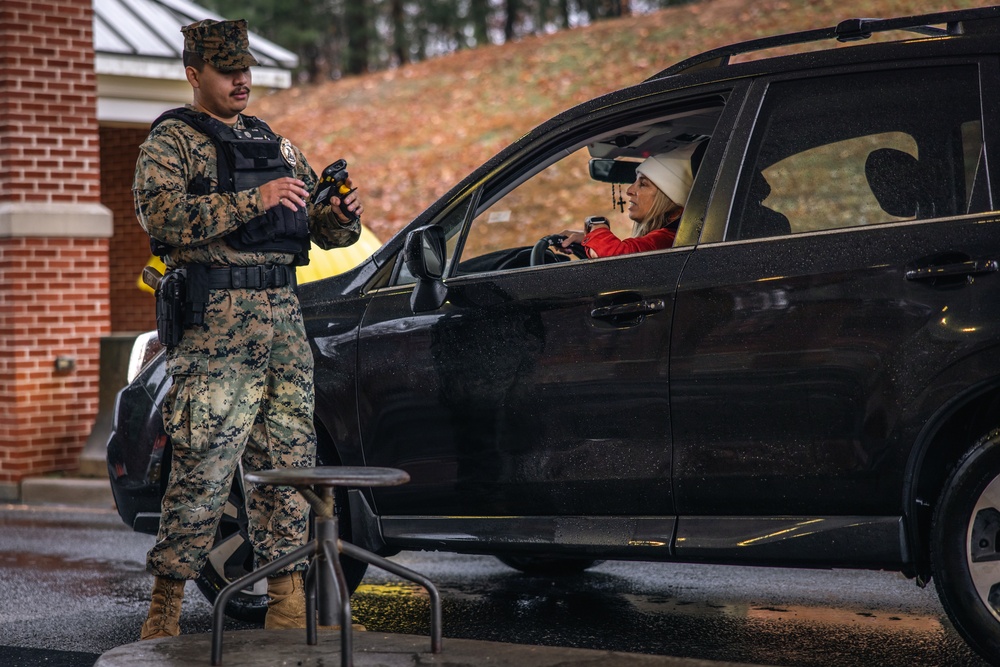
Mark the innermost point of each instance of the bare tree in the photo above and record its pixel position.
(479, 14)
(357, 28)
(512, 8)
(400, 41)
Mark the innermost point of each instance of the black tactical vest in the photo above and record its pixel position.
(247, 158)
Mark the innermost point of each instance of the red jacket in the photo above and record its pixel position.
(604, 243)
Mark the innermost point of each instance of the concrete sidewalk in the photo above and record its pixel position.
(270, 648)
(73, 491)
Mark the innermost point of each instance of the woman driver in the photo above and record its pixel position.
(656, 201)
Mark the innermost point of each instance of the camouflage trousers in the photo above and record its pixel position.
(242, 392)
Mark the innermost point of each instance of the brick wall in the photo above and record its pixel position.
(131, 308)
(53, 236)
(45, 413)
(48, 115)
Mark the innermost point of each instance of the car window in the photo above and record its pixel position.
(560, 191)
(452, 222)
(557, 198)
(862, 149)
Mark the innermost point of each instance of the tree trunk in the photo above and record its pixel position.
(479, 13)
(541, 15)
(512, 8)
(357, 31)
(564, 13)
(400, 44)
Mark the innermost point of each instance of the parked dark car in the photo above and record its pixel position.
(810, 377)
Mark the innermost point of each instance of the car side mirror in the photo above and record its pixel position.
(425, 253)
(607, 170)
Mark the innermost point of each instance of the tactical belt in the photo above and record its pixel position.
(261, 276)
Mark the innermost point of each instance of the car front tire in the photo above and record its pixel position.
(548, 566)
(965, 547)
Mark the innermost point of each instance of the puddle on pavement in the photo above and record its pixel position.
(812, 615)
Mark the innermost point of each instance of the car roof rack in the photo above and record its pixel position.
(846, 31)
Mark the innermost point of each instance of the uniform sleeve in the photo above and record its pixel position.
(170, 160)
(325, 228)
(605, 244)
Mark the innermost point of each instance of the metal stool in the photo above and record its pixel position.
(324, 582)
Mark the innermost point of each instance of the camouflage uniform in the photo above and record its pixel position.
(243, 380)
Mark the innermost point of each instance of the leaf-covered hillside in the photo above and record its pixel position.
(410, 134)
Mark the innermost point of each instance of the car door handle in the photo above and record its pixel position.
(644, 307)
(973, 267)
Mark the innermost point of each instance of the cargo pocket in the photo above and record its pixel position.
(186, 405)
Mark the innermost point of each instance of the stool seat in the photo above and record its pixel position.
(344, 476)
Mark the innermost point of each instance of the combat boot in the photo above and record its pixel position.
(286, 606)
(164, 618)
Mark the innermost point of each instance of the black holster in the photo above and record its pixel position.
(180, 303)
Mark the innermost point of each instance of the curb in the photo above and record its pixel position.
(266, 648)
(67, 491)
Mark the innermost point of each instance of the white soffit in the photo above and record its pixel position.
(138, 45)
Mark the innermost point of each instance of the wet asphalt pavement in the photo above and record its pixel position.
(73, 586)
(740, 614)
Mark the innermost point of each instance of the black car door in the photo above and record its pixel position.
(532, 391)
(516, 398)
(850, 265)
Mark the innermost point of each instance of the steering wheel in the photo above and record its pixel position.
(541, 247)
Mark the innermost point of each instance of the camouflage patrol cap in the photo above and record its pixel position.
(222, 44)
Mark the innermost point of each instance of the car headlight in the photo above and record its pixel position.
(145, 347)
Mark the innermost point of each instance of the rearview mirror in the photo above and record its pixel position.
(425, 253)
(607, 170)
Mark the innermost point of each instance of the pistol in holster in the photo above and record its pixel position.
(180, 303)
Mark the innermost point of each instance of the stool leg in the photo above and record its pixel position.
(329, 548)
(219, 610)
(361, 554)
(327, 590)
(310, 584)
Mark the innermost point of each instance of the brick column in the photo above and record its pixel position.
(53, 238)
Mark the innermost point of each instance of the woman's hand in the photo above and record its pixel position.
(572, 236)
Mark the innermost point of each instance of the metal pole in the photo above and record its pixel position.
(405, 572)
(346, 638)
(328, 593)
(310, 585)
(219, 610)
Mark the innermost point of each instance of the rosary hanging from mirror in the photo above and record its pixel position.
(616, 197)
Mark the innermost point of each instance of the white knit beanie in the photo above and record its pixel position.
(670, 172)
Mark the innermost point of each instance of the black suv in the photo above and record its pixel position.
(810, 376)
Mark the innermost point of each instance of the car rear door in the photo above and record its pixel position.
(853, 260)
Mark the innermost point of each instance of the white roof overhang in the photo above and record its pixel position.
(138, 48)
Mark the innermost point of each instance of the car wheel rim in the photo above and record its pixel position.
(983, 552)
(229, 554)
